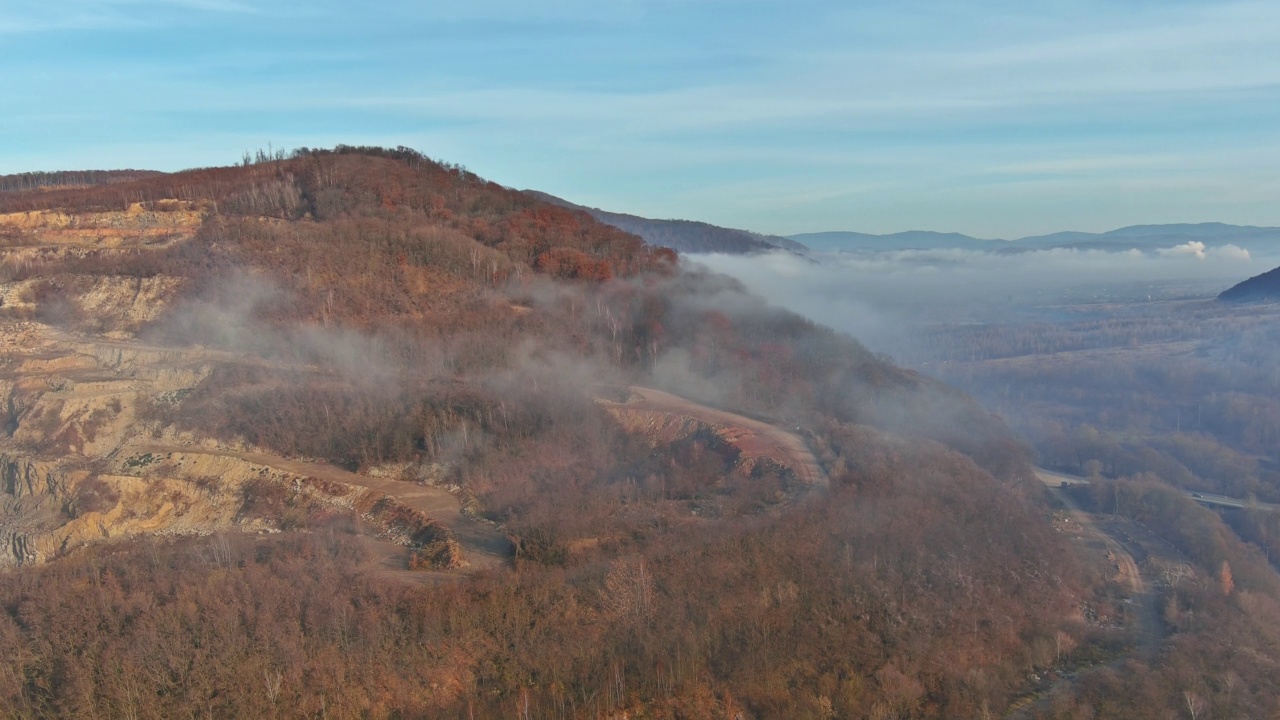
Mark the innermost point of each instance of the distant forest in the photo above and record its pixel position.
(69, 178)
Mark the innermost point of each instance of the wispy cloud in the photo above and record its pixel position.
(217, 6)
(23, 17)
(772, 115)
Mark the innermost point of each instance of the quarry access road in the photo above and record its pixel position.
(754, 438)
(483, 545)
(194, 354)
(1124, 553)
(1057, 479)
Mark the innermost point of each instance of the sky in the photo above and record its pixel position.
(994, 118)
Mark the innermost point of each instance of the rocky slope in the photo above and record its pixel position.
(77, 464)
(83, 462)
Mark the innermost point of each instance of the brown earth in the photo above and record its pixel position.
(74, 404)
(483, 544)
(139, 225)
(664, 417)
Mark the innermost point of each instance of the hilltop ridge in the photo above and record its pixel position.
(1263, 240)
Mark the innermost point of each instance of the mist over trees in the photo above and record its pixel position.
(1120, 368)
(390, 314)
(400, 317)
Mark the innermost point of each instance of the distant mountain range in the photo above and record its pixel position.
(1261, 288)
(1262, 240)
(910, 240)
(685, 236)
(688, 236)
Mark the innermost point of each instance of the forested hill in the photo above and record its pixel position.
(1260, 288)
(686, 236)
(372, 239)
(372, 363)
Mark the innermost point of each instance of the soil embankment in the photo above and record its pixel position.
(658, 413)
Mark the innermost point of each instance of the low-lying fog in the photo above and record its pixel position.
(879, 297)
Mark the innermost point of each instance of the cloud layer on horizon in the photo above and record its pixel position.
(881, 297)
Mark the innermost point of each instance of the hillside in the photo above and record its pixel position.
(355, 433)
(685, 236)
(1260, 288)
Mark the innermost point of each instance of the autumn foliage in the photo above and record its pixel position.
(376, 309)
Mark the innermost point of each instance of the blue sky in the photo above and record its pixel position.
(995, 118)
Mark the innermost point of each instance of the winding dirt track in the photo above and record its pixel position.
(1121, 549)
(483, 545)
(752, 437)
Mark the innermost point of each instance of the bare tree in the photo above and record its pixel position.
(1195, 703)
(273, 679)
(628, 590)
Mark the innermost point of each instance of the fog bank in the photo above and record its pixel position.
(877, 297)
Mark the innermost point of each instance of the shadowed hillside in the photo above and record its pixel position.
(1261, 288)
(685, 236)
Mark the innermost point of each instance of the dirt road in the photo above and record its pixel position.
(1123, 552)
(119, 365)
(755, 439)
(485, 546)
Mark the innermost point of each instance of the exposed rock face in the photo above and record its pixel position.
(51, 507)
(136, 225)
(126, 303)
(48, 508)
(70, 404)
(23, 478)
(78, 460)
(32, 496)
